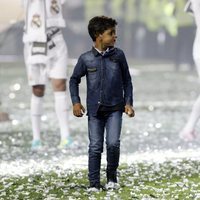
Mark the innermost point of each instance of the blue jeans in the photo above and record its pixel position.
(111, 122)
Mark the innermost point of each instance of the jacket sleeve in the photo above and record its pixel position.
(75, 80)
(127, 82)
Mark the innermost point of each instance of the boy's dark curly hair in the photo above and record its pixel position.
(97, 25)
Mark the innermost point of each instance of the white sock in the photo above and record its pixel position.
(194, 116)
(36, 112)
(61, 107)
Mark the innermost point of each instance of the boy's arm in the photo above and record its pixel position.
(74, 82)
(127, 82)
(128, 88)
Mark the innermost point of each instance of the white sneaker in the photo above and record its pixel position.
(93, 189)
(112, 186)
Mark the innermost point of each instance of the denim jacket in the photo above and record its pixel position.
(108, 79)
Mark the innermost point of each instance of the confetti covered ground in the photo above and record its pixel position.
(155, 163)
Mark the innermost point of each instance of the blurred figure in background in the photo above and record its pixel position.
(188, 132)
(45, 55)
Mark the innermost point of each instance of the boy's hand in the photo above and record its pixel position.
(78, 110)
(129, 110)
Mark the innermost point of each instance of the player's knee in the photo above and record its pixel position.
(38, 90)
(59, 85)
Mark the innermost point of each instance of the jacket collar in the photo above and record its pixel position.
(108, 52)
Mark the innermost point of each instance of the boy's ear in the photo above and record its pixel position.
(99, 35)
(96, 35)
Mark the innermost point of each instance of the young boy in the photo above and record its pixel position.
(109, 94)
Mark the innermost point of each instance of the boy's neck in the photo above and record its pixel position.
(100, 47)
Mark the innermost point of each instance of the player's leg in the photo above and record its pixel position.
(62, 110)
(36, 113)
(188, 132)
(58, 75)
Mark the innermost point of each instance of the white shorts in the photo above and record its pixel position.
(56, 67)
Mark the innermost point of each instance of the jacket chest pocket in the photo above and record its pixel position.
(92, 73)
(114, 64)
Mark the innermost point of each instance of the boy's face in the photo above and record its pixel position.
(108, 37)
